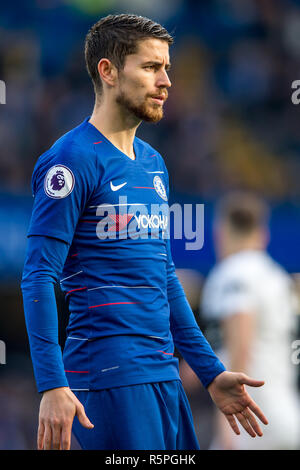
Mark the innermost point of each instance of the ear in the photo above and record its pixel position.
(107, 72)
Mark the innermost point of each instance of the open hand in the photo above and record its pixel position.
(228, 392)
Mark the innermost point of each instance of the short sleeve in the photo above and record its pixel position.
(62, 183)
(236, 296)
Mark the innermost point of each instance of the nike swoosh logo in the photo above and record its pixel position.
(116, 188)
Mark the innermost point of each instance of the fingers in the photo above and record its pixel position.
(232, 422)
(244, 422)
(245, 380)
(247, 420)
(47, 437)
(40, 436)
(66, 437)
(82, 417)
(254, 424)
(256, 410)
(56, 433)
(54, 436)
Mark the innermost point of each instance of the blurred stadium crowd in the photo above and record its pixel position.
(229, 124)
(229, 113)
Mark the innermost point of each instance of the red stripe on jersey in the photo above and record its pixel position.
(73, 290)
(114, 303)
(142, 187)
(78, 371)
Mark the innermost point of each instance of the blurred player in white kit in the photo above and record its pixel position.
(252, 298)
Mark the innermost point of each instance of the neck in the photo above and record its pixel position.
(116, 124)
(237, 246)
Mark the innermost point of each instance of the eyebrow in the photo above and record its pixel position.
(154, 62)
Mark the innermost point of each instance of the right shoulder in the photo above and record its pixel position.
(71, 151)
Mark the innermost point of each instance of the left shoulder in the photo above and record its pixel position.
(150, 152)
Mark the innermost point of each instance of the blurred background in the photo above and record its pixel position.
(229, 124)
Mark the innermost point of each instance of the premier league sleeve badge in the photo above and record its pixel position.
(59, 182)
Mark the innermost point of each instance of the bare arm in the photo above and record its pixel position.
(238, 331)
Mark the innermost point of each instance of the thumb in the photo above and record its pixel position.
(82, 417)
(245, 380)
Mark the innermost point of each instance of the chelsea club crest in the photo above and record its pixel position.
(159, 187)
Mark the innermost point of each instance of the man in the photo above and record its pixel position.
(251, 298)
(95, 233)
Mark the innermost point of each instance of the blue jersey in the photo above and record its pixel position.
(118, 277)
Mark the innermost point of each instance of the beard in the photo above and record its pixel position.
(146, 111)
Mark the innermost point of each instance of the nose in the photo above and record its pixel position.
(163, 80)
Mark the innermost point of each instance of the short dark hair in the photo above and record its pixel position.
(116, 36)
(244, 212)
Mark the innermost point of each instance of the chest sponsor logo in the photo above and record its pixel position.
(119, 222)
(59, 182)
(138, 220)
(151, 221)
